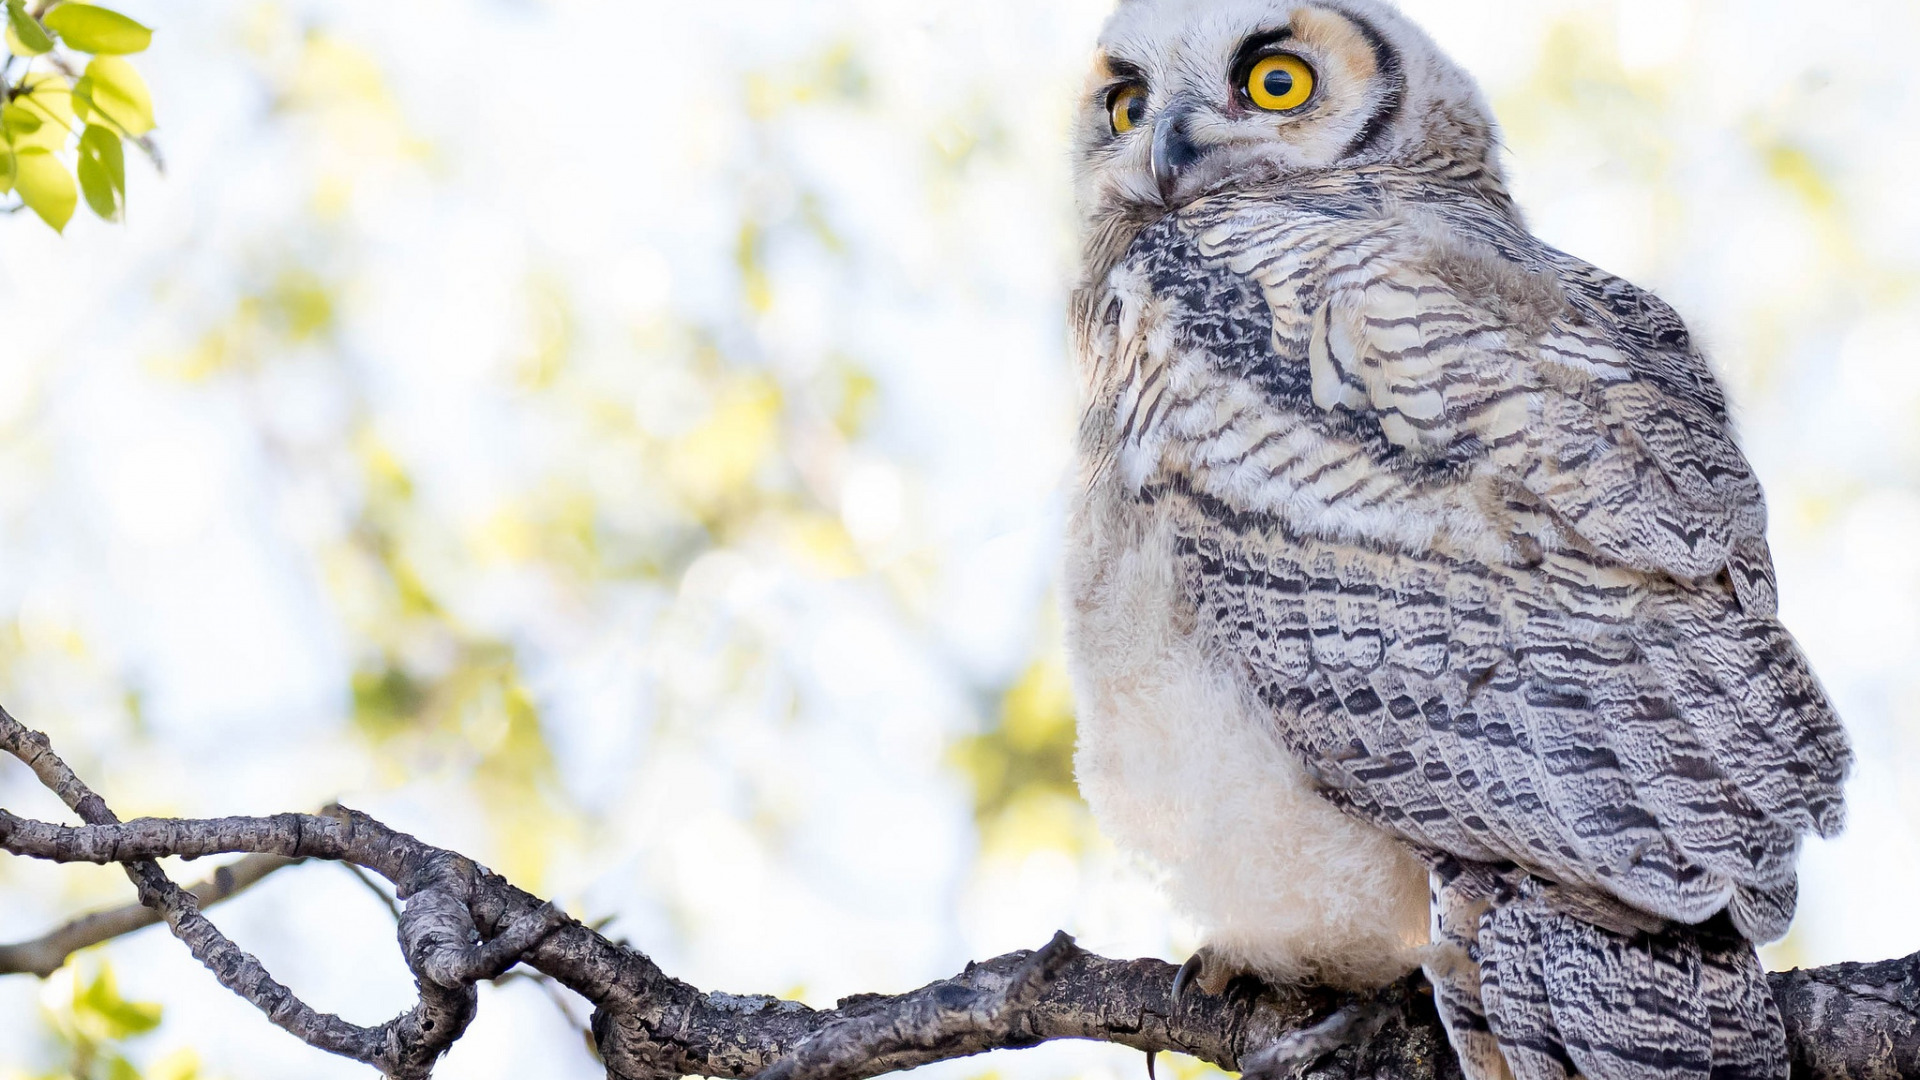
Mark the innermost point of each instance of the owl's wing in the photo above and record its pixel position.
(1581, 388)
(1575, 718)
(1611, 711)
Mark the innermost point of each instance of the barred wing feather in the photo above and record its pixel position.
(1612, 704)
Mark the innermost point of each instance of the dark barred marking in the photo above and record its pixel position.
(1392, 76)
(1255, 49)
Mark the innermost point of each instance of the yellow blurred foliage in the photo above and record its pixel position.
(1022, 768)
(1037, 713)
(1037, 817)
(342, 89)
(821, 543)
(555, 528)
(182, 1064)
(718, 459)
(1796, 170)
(836, 73)
(90, 1024)
(295, 307)
(550, 313)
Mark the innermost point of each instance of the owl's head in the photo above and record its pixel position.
(1192, 96)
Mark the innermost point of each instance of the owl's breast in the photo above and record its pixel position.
(1198, 375)
(1180, 764)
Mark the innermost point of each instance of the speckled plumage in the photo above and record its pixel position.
(1387, 506)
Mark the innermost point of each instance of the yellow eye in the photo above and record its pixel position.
(1280, 83)
(1128, 108)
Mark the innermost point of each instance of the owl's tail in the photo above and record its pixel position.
(1559, 996)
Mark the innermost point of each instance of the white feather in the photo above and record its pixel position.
(1180, 768)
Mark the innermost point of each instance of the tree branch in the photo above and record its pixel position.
(461, 924)
(47, 953)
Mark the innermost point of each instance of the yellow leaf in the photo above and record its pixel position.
(46, 186)
(114, 93)
(17, 125)
(96, 30)
(41, 115)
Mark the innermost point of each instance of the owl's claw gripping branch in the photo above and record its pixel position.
(463, 924)
(1183, 979)
(1351, 1026)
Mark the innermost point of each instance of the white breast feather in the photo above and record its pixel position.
(1179, 767)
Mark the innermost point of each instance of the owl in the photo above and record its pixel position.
(1419, 605)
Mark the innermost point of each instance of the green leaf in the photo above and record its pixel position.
(6, 170)
(98, 30)
(101, 1005)
(17, 122)
(46, 186)
(114, 94)
(12, 39)
(105, 145)
(27, 39)
(103, 171)
(40, 114)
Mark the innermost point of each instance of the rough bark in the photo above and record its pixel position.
(462, 924)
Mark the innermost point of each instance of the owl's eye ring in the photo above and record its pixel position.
(1126, 107)
(1281, 82)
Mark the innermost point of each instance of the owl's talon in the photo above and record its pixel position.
(1349, 1025)
(1188, 972)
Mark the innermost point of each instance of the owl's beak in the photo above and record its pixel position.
(1173, 151)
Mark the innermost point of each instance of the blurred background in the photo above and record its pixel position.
(623, 441)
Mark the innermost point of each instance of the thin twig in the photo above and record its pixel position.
(47, 953)
(556, 994)
(392, 905)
